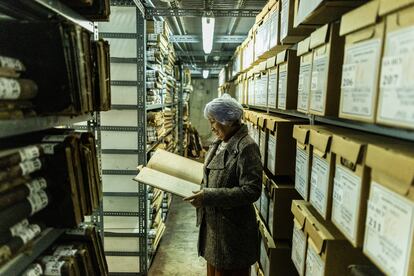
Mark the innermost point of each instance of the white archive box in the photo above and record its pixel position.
(123, 71)
(119, 118)
(396, 105)
(124, 95)
(389, 226)
(123, 20)
(364, 32)
(119, 139)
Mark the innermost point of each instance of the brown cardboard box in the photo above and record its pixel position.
(288, 70)
(280, 221)
(303, 159)
(261, 44)
(300, 210)
(322, 172)
(328, 253)
(281, 146)
(350, 185)
(261, 85)
(389, 225)
(327, 49)
(395, 106)
(289, 34)
(274, 255)
(319, 12)
(305, 74)
(364, 34)
(272, 83)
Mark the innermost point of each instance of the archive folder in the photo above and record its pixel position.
(172, 173)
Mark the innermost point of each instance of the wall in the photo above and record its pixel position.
(204, 91)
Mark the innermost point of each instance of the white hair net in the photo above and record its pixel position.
(225, 110)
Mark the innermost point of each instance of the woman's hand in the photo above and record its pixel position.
(197, 199)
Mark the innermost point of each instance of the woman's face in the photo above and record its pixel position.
(221, 131)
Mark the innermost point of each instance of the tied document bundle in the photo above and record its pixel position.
(171, 173)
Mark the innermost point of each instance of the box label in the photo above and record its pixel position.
(396, 101)
(302, 172)
(318, 82)
(271, 154)
(264, 259)
(299, 249)
(263, 146)
(319, 184)
(270, 218)
(315, 266)
(272, 89)
(389, 230)
(359, 78)
(274, 30)
(264, 205)
(284, 19)
(304, 85)
(282, 87)
(346, 201)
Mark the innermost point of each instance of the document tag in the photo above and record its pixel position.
(28, 167)
(319, 184)
(9, 89)
(34, 270)
(11, 63)
(38, 201)
(301, 172)
(53, 268)
(17, 227)
(36, 185)
(29, 153)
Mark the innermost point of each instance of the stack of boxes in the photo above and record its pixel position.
(357, 189)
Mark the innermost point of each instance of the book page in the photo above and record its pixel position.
(176, 165)
(166, 182)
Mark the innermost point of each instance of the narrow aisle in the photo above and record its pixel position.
(177, 251)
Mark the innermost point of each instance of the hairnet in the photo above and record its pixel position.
(225, 110)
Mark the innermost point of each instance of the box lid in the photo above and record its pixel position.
(349, 147)
(359, 18)
(320, 139)
(391, 162)
(282, 57)
(262, 120)
(271, 62)
(387, 6)
(320, 36)
(303, 47)
(267, 238)
(271, 122)
(301, 133)
(262, 66)
(300, 211)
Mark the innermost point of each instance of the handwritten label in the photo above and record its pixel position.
(302, 172)
(319, 185)
(38, 201)
(29, 153)
(299, 249)
(271, 154)
(315, 266)
(28, 167)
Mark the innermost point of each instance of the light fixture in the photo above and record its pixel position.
(205, 74)
(207, 25)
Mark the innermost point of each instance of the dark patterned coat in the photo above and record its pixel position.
(228, 237)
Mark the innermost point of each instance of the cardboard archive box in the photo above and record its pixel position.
(274, 255)
(261, 44)
(350, 185)
(303, 159)
(263, 137)
(289, 34)
(322, 171)
(254, 118)
(248, 51)
(327, 49)
(264, 199)
(237, 62)
(272, 83)
(280, 219)
(328, 252)
(222, 76)
(300, 210)
(250, 88)
(396, 105)
(389, 227)
(280, 146)
(288, 70)
(261, 84)
(319, 12)
(364, 34)
(305, 74)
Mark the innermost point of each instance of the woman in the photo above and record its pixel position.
(228, 237)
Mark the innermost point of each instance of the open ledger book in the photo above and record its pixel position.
(172, 173)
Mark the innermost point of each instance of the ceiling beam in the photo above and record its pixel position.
(199, 12)
(201, 53)
(198, 39)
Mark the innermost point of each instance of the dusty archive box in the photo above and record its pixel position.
(350, 185)
(322, 171)
(318, 12)
(281, 146)
(364, 34)
(300, 210)
(305, 55)
(303, 159)
(272, 82)
(288, 70)
(262, 118)
(274, 255)
(328, 253)
(396, 105)
(260, 85)
(389, 228)
(327, 49)
(288, 33)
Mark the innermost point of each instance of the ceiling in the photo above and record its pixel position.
(192, 53)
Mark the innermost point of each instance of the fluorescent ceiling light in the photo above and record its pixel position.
(205, 74)
(207, 24)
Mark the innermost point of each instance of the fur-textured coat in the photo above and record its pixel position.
(228, 237)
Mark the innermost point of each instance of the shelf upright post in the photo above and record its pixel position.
(142, 134)
(180, 114)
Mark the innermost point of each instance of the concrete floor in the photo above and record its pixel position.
(177, 251)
